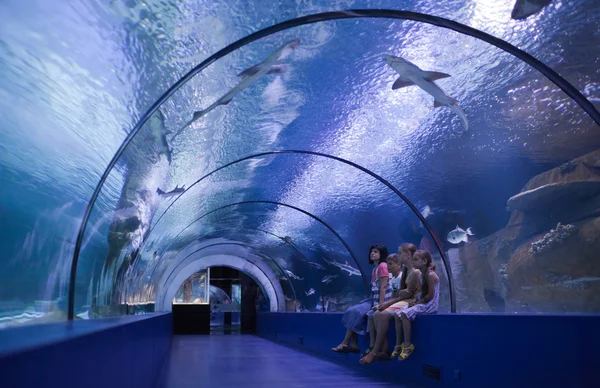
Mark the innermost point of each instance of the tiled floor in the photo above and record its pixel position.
(249, 361)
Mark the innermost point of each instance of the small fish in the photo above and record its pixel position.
(293, 275)
(411, 74)
(270, 65)
(344, 267)
(494, 301)
(458, 235)
(316, 265)
(175, 191)
(328, 279)
(310, 292)
(525, 8)
(426, 211)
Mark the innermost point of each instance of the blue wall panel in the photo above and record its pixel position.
(117, 352)
(484, 350)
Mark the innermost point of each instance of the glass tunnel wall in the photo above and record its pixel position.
(523, 176)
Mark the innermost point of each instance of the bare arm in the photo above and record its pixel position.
(412, 284)
(384, 282)
(433, 279)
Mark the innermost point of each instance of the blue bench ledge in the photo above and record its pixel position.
(127, 351)
(463, 350)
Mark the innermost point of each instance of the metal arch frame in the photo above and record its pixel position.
(208, 246)
(278, 203)
(277, 264)
(352, 164)
(552, 75)
(325, 224)
(256, 252)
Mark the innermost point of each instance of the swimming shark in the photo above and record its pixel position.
(271, 65)
(328, 279)
(525, 8)
(411, 74)
(175, 191)
(344, 267)
(316, 265)
(146, 162)
(293, 275)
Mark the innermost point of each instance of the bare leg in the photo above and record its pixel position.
(349, 335)
(354, 339)
(382, 320)
(406, 329)
(372, 333)
(398, 324)
(408, 347)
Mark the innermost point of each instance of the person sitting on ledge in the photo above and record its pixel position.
(409, 284)
(355, 317)
(427, 303)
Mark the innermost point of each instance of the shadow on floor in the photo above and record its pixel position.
(250, 361)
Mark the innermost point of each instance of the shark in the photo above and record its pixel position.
(316, 265)
(272, 65)
(328, 279)
(411, 75)
(344, 267)
(293, 275)
(525, 8)
(146, 163)
(175, 191)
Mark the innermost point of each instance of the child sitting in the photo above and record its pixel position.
(426, 304)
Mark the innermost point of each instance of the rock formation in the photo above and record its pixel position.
(545, 259)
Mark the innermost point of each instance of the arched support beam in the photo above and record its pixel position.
(553, 76)
(319, 220)
(254, 252)
(257, 270)
(293, 246)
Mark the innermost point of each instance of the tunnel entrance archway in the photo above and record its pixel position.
(257, 271)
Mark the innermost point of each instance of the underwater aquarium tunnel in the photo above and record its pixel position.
(144, 143)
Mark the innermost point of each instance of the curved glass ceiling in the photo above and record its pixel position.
(76, 79)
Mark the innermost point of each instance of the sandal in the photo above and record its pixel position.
(368, 359)
(406, 352)
(369, 350)
(397, 350)
(345, 349)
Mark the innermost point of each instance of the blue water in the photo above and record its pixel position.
(76, 77)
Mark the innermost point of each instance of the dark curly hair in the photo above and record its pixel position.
(383, 252)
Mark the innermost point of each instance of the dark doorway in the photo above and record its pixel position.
(236, 313)
(218, 300)
(225, 300)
